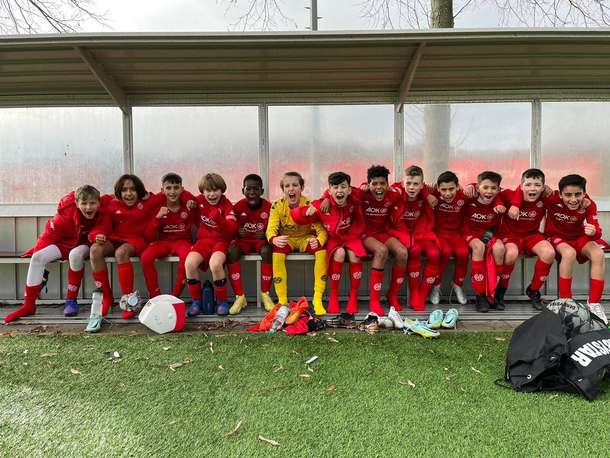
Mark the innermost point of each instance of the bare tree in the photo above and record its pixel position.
(31, 16)
(264, 15)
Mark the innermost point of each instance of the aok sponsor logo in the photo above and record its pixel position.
(482, 216)
(563, 217)
(174, 227)
(411, 215)
(254, 227)
(376, 210)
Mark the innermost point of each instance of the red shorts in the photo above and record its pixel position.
(578, 244)
(250, 246)
(206, 247)
(138, 243)
(525, 244)
(382, 237)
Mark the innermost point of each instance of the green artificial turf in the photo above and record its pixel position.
(383, 395)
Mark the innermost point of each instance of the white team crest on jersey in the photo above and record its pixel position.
(460, 202)
(140, 206)
(184, 215)
(264, 215)
(539, 204)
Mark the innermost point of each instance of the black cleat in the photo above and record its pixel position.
(499, 303)
(535, 298)
(481, 304)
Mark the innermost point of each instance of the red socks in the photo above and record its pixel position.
(266, 277)
(596, 288)
(430, 276)
(220, 290)
(398, 278)
(335, 270)
(74, 280)
(375, 283)
(125, 277)
(29, 304)
(415, 301)
(235, 278)
(355, 277)
(541, 271)
(565, 287)
(194, 287)
(101, 281)
(150, 275)
(505, 274)
(478, 277)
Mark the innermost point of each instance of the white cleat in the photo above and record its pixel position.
(396, 318)
(459, 294)
(435, 294)
(598, 310)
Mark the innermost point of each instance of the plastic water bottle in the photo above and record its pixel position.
(96, 302)
(280, 318)
(208, 302)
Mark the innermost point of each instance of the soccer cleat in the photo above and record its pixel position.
(194, 308)
(267, 301)
(481, 304)
(239, 304)
(370, 324)
(535, 298)
(598, 310)
(436, 319)
(318, 306)
(222, 308)
(95, 323)
(450, 321)
(499, 303)
(459, 294)
(385, 322)
(343, 320)
(435, 295)
(396, 318)
(71, 307)
(419, 328)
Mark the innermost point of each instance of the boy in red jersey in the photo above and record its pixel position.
(448, 227)
(414, 221)
(122, 233)
(77, 213)
(482, 217)
(344, 223)
(217, 227)
(520, 233)
(170, 233)
(573, 230)
(252, 213)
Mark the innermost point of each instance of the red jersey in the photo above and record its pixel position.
(68, 228)
(173, 226)
(376, 212)
(252, 220)
(216, 222)
(479, 217)
(569, 224)
(530, 214)
(449, 216)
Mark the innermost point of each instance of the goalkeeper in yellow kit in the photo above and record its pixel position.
(285, 236)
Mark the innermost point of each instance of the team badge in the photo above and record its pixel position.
(264, 215)
(460, 202)
(184, 215)
(140, 206)
(539, 204)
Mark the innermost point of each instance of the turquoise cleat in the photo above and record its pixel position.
(417, 327)
(95, 323)
(451, 318)
(435, 319)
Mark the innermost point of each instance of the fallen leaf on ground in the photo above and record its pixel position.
(462, 389)
(312, 334)
(331, 388)
(278, 368)
(166, 348)
(304, 375)
(173, 422)
(476, 370)
(75, 372)
(48, 355)
(269, 441)
(310, 369)
(480, 356)
(175, 366)
(51, 365)
(211, 347)
(407, 382)
(500, 339)
(332, 339)
(234, 430)
(221, 367)
(553, 396)
(430, 350)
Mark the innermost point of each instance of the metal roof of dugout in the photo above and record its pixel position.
(138, 69)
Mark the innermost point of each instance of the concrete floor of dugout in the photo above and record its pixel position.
(49, 320)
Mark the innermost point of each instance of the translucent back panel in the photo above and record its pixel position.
(576, 139)
(192, 141)
(318, 140)
(469, 138)
(47, 152)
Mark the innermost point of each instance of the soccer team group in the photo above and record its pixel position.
(420, 226)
